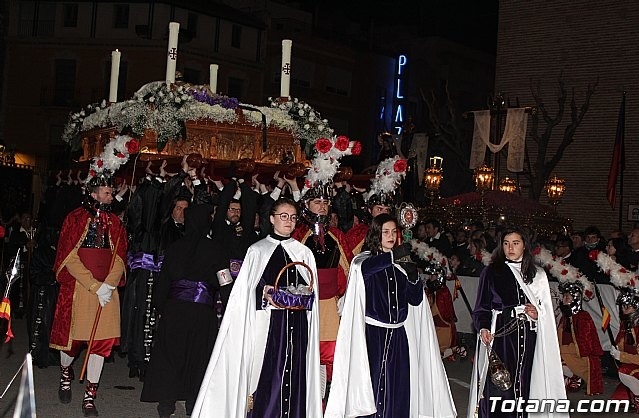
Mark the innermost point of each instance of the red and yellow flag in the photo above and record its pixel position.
(605, 318)
(457, 287)
(5, 313)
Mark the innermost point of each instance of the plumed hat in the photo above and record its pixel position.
(388, 177)
(319, 179)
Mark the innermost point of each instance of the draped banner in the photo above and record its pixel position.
(514, 134)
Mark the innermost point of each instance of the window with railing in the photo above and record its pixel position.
(236, 87)
(70, 15)
(46, 19)
(65, 72)
(120, 16)
(192, 24)
(236, 36)
(26, 12)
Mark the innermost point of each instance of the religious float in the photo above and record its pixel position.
(170, 119)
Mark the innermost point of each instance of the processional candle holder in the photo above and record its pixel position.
(433, 177)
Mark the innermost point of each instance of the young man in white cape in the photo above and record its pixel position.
(235, 365)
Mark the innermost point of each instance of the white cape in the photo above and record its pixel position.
(351, 390)
(234, 369)
(547, 380)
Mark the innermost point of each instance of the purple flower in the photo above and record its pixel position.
(215, 99)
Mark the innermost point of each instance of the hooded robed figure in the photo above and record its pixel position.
(184, 296)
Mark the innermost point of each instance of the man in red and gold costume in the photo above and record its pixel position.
(626, 342)
(579, 344)
(357, 234)
(89, 266)
(332, 257)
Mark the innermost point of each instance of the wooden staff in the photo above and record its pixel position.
(97, 314)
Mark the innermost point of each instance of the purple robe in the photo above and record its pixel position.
(388, 294)
(498, 289)
(281, 390)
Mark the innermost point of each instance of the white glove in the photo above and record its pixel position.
(104, 293)
(615, 353)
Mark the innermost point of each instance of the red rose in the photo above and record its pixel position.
(588, 294)
(92, 173)
(623, 270)
(564, 272)
(323, 145)
(99, 163)
(592, 255)
(631, 282)
(357, 148)
(120, 155)
(133, 146)
(536, 251)
(342, 143)
(400, 166)
(307, 183)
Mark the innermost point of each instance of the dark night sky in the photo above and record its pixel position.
(470, 22)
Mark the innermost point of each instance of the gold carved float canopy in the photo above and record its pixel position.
(212, 140)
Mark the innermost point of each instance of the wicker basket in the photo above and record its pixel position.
(284, 299)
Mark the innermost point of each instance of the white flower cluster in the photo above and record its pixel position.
(563, 271)
(76, 120)
(619, 275)
(309, 125)
(431, 254)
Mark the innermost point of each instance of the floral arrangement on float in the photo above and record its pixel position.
(619, 275)
(563, 271)
(431, 254)
(164, 108)
(326, 162)
(309, 125)
(115, 154)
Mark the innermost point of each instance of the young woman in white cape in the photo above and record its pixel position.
(515, 317)
(404, 375)
(250, 372)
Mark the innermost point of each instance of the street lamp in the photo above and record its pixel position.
(484, 178)
(433, 177)
(555, 188)
(508, 185)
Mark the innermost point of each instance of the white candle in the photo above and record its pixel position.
(115, 74)
(213, 77)
(172, 51)
(285, 85)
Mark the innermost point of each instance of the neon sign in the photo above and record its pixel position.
(398, 98)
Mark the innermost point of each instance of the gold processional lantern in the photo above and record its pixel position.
(555, 188)
(508, 185)
(484, 176)
(433, 177)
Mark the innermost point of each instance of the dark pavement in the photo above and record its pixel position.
(118, 396)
